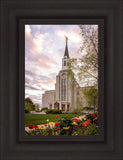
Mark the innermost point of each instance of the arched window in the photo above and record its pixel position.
(63, 89)
(64, 63)
(63, 75)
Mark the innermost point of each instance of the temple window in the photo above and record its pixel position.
(63, 89)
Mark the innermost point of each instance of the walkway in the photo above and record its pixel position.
(34, 112)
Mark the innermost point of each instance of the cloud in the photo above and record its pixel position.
(36, 45)
(31, 88)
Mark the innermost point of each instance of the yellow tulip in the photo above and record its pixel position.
(74, 123)
(51, 123)
(40, 127)
(66, 128)
(84, 119)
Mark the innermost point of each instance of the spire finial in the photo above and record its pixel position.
(66, 38)
(66, 48)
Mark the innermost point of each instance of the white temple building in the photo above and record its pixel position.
(66, 92)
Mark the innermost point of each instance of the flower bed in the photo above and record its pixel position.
(66, 126)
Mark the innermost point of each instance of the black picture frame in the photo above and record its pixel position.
(14, 145)
(21, 31)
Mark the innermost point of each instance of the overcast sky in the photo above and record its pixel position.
(44, 49)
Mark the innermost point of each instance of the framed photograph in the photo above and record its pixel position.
(61, 80)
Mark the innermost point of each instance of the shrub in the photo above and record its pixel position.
(75, 112)
(49, 111)
(56, 111)
(87, 108)
(29, 107)
(37, 110)
(91, 130)
(77, 133)
(66, 113)
(26, 111)
(44, 109)
(53, 111)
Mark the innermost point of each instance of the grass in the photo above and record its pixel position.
(37, 119)
(87, 108)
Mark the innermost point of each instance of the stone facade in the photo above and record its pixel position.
(66, 91)
(48, 98)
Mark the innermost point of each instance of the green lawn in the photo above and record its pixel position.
(37, 119)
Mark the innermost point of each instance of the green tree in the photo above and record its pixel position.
(37, 109)
(86, 67)
(28, 100)
(91, 95)
(89, 62)
(29, 105)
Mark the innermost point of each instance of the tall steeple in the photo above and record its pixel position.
(66, 57)
(66, 49)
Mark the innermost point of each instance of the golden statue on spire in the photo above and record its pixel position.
(66, 38)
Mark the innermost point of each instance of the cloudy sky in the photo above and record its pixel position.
(44, 49)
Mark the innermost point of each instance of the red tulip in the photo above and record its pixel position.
(89, 120)
(57, 116)
(31, 126)
(58, 128)
(86, 123)
(36, 127)
(93, 115)
(83, 125)
(57, 124)
(75, 120)
(45, 125)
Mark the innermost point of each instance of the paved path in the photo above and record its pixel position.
(53, 125)
(34, 112)
(79, 117)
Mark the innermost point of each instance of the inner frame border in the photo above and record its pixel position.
(100, 23)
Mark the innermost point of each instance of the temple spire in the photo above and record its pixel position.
(66, 48)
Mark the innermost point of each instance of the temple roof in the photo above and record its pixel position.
(66, 51)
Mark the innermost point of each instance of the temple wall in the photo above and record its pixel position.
(48, 98)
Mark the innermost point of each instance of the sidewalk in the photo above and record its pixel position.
(79, 117)
(34, 112)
